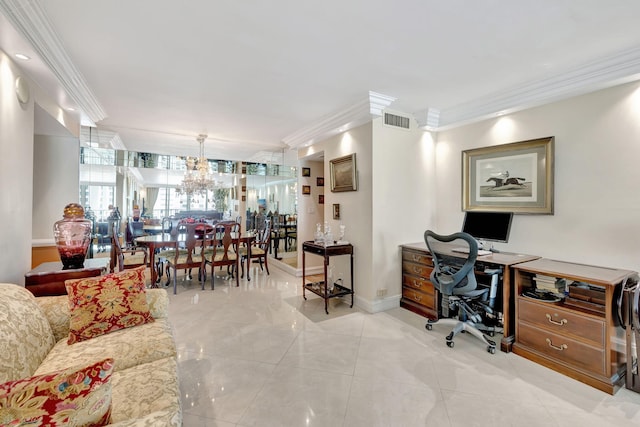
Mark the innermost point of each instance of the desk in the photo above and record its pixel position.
(168, 240)
(320, 287)
(419, 295)
(48, 278)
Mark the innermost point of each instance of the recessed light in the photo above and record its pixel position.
(71, 109)
(22, 56)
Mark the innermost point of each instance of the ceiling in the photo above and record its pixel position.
(264, 77)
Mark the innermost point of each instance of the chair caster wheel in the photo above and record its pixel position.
(449, 337)
(491, 333)
(491, 349)
(429, 326)
(450, 344)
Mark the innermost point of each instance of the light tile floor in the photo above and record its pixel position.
(259, 355)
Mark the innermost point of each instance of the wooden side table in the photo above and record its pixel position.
(320, 288)
(48, 278)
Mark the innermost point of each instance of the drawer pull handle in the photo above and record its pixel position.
(418, 298)
(560, 323)
(417, 284)
(416, 258)
(417, 270)
(555, 347)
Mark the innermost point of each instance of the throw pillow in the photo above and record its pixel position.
(100, 305)
(74, 396)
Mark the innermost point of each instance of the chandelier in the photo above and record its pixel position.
(197, 179)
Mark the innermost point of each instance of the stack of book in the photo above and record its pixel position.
(550, 284)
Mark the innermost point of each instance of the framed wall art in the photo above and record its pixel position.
(306, 171)
(320, 181)
(343, 173)
(306, 189)
(321, 199)
(515, 177)
(336, 211)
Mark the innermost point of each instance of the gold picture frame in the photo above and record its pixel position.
(515, 177)
(343, 173)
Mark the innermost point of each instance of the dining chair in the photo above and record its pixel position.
(221, 249)
(134, 229)
(187, 257)
(125, 258)
(291, 232)
(259, 248)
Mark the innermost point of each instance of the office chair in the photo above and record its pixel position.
(454, 277)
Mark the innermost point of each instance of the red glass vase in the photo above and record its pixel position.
(73, 236)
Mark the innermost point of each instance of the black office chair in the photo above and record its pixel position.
(454, 258)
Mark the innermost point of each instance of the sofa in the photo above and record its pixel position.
(141, 360)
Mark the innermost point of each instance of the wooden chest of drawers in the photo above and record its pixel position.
(576, 342)
(562, 335)
(418, 293)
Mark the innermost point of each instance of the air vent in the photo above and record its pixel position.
(396, 121)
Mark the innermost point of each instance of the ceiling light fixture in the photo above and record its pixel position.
(22, 56)
(197, 179)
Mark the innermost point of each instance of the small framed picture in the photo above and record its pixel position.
(244, 188)
(306, 189)
(244, 198)
(306, 171)
(321, 199)
(320, 181)
(336, 211)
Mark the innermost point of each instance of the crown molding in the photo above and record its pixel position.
(103, 137)
(608, 71)
(30, 20)
(348, 118)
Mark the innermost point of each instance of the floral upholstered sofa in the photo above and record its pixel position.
(120, 376)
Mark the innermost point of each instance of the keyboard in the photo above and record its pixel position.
(466, 251)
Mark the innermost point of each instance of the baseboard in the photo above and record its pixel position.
(295, 271)
(379, 304)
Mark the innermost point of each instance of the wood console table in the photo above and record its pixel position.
(319, 287)
(48, 278)
(419, 295)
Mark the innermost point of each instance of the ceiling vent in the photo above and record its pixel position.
(397, 121)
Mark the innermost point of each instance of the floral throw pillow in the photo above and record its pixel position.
(74, 396)
(100, 305)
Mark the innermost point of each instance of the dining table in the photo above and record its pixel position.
(170, 240)
(152, 229)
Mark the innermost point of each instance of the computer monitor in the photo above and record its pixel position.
(492, 226)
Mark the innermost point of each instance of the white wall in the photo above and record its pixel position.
(403, 203)
(597, 148)
(56, 180)
(17, 156)
(16, 176)
(355, 207)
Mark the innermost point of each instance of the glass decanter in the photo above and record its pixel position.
(318, 237)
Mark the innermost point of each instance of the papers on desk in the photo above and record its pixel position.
(466, 251)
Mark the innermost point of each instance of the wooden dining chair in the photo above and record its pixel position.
(187, 257)
(125, 258)
(221, 249)
(259, 248)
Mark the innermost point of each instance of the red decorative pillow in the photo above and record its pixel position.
(74, 396)
(100, 305)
